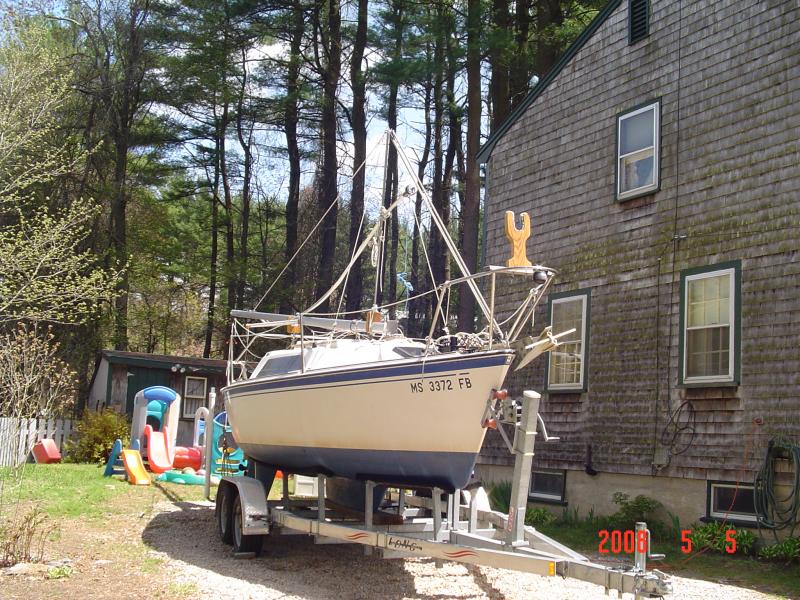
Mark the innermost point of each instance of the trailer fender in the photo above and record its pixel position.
(253, 498)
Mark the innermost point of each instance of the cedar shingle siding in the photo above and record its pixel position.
(727, 74)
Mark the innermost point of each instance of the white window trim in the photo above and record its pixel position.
(186, 396)
(656, 108)
(540, 495)
(584, 298)
(735, 516)
(731, 326)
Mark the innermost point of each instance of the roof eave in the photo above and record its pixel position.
(158, 363)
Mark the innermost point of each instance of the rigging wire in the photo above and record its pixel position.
(316, 226)
(381, 307)
(352, 254)
(305, 241)
(427, 258)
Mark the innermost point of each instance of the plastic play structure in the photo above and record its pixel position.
(154, 431)
(226, 458)
(134, 467)
(45, 452)
(156, 411)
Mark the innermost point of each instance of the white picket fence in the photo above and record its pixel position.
(18, 436)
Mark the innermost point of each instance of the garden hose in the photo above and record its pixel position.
(773, 512)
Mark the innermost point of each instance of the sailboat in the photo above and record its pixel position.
(351, 395)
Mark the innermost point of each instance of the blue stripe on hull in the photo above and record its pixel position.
(447, 470)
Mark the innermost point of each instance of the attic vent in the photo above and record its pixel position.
(638, 20)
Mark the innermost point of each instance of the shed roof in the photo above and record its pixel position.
(164, 361)
(486, 150)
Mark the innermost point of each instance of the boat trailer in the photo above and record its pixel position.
(462, 528)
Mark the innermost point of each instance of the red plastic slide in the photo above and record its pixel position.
(159, 454)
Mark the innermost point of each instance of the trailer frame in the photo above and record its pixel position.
(451, 530)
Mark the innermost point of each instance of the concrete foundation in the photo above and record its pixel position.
(685, 498)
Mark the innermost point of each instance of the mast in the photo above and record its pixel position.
(451, 246)
(386, 212)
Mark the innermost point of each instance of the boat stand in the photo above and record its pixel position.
(469, 532)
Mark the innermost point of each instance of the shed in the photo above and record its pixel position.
(119, 375)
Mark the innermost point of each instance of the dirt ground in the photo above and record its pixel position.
(173, 552)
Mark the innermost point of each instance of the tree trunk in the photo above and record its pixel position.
(520, 64)
(499, 57)
(119, 238)
(419, 271)
(391, 183)
(355, 281)
(470, 209)
(290, 120)
(246, 143)
(437, 254)
(327, 198)
(453, 142)
(548, 48)
(230, 250)
(212, 279)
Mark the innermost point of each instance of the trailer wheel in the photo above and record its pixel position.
(224, 513)
(241, 542)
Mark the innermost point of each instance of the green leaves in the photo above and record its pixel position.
(46, 274)
(96, 432)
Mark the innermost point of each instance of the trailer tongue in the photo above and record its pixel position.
(469, 533)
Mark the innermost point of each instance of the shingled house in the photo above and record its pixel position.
(660, 163)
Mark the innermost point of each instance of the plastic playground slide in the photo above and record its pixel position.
(134, 467)
(158, 455)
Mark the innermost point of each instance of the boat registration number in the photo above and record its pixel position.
(441, 385)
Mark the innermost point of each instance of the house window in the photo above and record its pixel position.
(637, 151)
(731, 502)
(638, 20)
(194, 396)
(547, 486)
(567, 366)
(709, 299)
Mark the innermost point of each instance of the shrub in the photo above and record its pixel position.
(632, 511)
(23, 539)
(96, 432)
(674, 529)
(569, 516)
(500, 496)
(500, 499)
(539, 517)
(714, 536)
(788, 550)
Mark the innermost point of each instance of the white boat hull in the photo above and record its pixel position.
(412, 422)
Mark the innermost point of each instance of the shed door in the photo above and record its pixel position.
(143, 377)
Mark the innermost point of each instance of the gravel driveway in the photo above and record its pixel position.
(184, 535)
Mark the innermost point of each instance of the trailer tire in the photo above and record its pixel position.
(241, 542)
(224, 512)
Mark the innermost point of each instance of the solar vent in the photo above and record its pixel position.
(638, 20)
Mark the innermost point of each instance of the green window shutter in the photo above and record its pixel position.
(638, 20)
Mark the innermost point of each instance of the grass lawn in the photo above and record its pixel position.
(775, 578)
(68, 490)
(97, 523)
